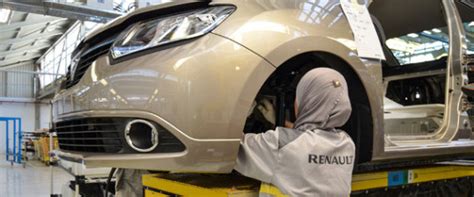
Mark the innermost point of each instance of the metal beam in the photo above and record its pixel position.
(18, 60)
(16, 65)
(17, 33)
(31, 72)
(25, 53)
(31, 22)
(17, 100)
(23, 100)
(32, 37)
(39, 30)
(25, 48)
(61, 10)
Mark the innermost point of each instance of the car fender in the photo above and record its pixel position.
(279, 35)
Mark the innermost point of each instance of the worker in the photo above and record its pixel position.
(129, 182)
(312, 158)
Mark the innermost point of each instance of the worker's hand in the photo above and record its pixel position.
(266, 108)
(289, 124)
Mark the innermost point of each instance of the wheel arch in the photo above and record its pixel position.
(356, 127)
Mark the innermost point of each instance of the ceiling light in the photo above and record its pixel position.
(436, 30)
(427, 32)
(4, 15)
(413, 35)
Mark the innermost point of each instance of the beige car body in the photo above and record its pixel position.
(202, 90)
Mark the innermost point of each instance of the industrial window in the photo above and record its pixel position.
(55, 61)
(469, 29)
(428, 45)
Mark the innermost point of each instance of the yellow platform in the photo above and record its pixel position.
(409, 176)
(209, 185)
(228, 185)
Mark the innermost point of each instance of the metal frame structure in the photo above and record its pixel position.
(13, 153)
(77, 12)
(54, 62)
(381, 182)
(26, 36)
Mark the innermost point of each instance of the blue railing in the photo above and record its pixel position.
(13, 141)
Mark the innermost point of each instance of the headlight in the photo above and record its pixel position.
(156, 32)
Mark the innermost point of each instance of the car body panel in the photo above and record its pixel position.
(447, 140)
(184, 86)
(287, 30)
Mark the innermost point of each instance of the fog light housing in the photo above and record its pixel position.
(141, 135)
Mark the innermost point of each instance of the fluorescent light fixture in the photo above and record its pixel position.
(427, 32)
(413, 35)
(436, 30)
(4, 15)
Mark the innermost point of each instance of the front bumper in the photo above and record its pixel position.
(199, 91)
(200, 155)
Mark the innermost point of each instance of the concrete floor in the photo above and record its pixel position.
(31, 181)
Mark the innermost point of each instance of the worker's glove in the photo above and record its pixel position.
(266, 108)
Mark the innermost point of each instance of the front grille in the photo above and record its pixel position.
(105, 135)
(85, 57)
(90, 135)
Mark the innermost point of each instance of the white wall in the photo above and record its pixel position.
(26, 111)
(45, 115)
